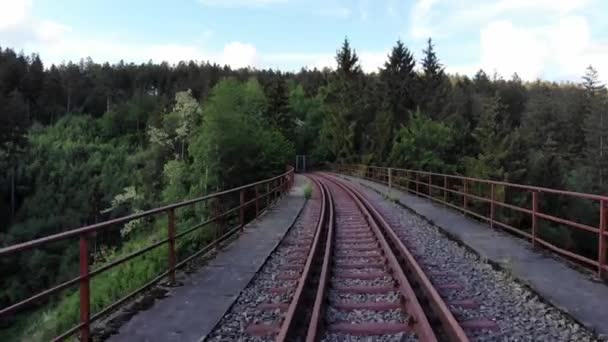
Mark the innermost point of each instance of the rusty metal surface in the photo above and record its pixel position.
(419, 322)
(316, 316)
(463, 186)
(449, 323)
(525, 264)
(297, 303)
(275, 186)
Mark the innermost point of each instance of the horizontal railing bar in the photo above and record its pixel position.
(147, 285)
(68, 333)
(568, 222)
(127, 257)
(95, 227)
(40, 295)
(397, 175)
(513, 229)
(514, 185)
(565, 252)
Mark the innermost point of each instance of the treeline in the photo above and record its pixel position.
(412, 114)
(81, 143)
(140, 145)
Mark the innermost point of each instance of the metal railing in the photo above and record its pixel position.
(484, 198)
(269, 189)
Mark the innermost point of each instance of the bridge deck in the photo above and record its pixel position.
(572, 291)
(190, 312)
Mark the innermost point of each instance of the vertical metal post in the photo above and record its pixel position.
(171, 235)
(267, 194)
(85, 299)
(390, 181)
(602, 238)
(445, 189)
(465, 197)
(417, 184)
(257, 201)
(492, 205)
(430, 189)
(534, 218)
(242, 208)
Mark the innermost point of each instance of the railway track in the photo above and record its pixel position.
(349, 277)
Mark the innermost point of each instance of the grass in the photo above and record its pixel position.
(308, 190)
(57, 317)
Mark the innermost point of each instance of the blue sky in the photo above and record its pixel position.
(551, 39)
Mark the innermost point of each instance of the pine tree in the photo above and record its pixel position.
(343, 107)
(398, 79)
(278, 111)
(596, 134)
(493, 140)
(348, 61)
(433, 83)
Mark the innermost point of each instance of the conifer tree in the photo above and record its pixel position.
(596, 134)
(398, 79)
(433, 83)
(278, 111)
(342, 106)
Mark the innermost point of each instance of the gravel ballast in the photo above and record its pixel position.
(245, 311)
(519, 313)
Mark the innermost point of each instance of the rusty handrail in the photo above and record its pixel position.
(436, 187)
(274, 187)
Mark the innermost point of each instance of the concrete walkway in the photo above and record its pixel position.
(572, 291)
(190, 312)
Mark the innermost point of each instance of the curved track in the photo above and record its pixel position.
(349, 277)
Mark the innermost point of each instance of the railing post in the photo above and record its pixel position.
(242, 208)
(430, 189)
(390, 181)
(85, 299)
(465, 197)
(445, 189)
(492, 205)
(602, 239)
(171, 235)
(267, 194)
(417, 184)
(534, 218)
(257, 201)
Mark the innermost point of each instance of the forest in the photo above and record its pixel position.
(84, 142)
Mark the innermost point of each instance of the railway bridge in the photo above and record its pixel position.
(353, 253)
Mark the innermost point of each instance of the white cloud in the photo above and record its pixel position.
(371, 61)
(240, 3)
(18, 26)
(421, 18)
(14, 13)
(535, 38)
(239, 55)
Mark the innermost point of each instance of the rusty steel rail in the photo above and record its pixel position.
(449, 324)
(318, 309)
(297, 306)
(419, 321)
(274, 187)
(445, 189)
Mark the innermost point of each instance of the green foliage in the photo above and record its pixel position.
(156, 134)
(234, 146)
(421, 145)
(308, 190)
(399, 81)
(342, 107)
(493, 142)
(595, 128)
